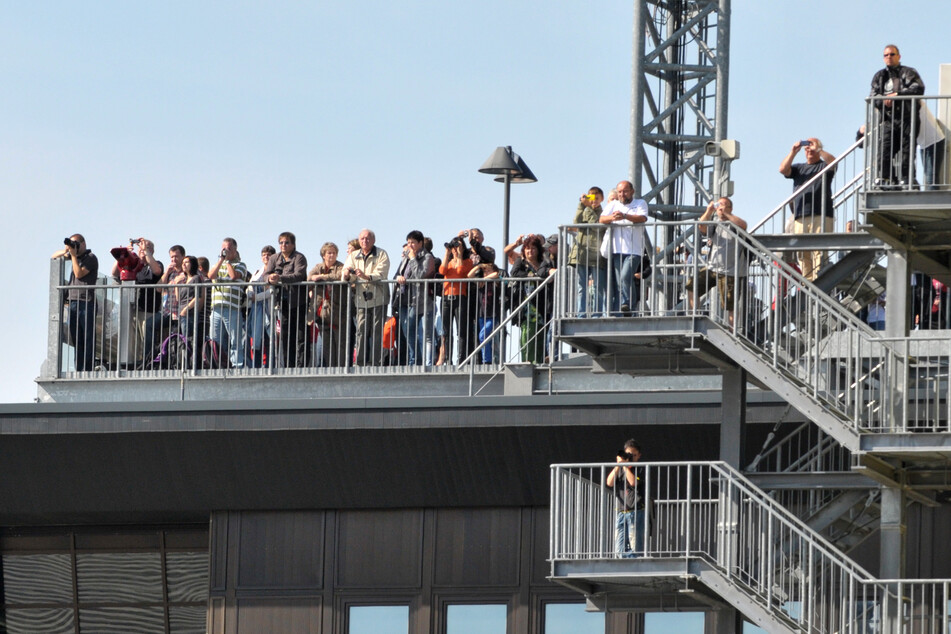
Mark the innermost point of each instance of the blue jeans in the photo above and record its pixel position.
(626, 288)
(410, 324)
(258, 330)
(599, 275)
(229, 321)
(486, 326)
(629, 534)
(82, 328)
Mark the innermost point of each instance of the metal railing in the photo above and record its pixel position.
(823, 350)
(306, 328)
(710, 512)
(898, 128)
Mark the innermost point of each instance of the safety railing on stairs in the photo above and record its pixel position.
(824, 351)
(711, 513)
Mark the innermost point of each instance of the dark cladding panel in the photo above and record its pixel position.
(278, 615)
(540, 545)
(281, 550)
(379, 549)
(477, 547)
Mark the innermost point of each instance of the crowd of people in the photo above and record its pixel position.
(445, 310)
(342, 311)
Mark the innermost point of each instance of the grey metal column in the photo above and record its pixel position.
(733, 418)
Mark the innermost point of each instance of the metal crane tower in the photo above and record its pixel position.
(679, 104)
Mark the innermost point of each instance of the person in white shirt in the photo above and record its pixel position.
(623, 245)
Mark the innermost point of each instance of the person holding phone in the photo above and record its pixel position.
(812, 207)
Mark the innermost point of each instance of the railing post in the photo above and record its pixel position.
(53, 367)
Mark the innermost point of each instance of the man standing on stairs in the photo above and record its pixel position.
(629, 491)
(726, 265)
(812, 208)
(895, 120)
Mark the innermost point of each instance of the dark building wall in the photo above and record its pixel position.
(301, 571)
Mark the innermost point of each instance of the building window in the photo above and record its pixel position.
(105, 581)
(378, 619)
(462, 618)
(571, 618)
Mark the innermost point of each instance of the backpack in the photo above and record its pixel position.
(173, 353)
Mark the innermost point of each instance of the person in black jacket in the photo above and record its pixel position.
(895, 119)
(629, 491)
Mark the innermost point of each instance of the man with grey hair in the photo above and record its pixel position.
(366, 269)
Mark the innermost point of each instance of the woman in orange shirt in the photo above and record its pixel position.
(456, 266)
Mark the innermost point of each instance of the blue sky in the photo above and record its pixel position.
(189, 121)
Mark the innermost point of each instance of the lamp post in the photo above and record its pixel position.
(509, 168)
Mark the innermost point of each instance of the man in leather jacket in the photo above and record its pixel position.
(895, 119)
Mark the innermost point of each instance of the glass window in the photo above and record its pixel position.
(378, 619)
(749, 628)
(476, 619)
(682, 622)
(571, 618)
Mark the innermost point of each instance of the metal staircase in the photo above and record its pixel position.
(716, 538)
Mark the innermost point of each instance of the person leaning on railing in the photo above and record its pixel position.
(285, 271)
(455, 303)
(330, 306)
(81, 301)
(631, 525)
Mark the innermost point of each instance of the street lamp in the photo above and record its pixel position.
(509, 168)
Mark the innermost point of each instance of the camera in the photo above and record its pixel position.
(465, 234)
(367, 296)
(224, 254)
(71, 243)
(623, 455)
(805, 143)
(452, 244)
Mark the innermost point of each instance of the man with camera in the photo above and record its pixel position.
(812, 208)
(227, 317)
(366, 269)
(148, 301)
(285, 270)
(81, 300)
(629, 490)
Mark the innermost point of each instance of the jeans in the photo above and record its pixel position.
(486, 326)
(82, 326)
(624, 266)
(599, 275)
(629, 534)
(229, 321)
(410, 324)
(258, 330)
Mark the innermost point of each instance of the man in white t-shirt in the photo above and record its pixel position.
(624, 245)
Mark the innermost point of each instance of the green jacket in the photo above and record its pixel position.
(587, 247)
